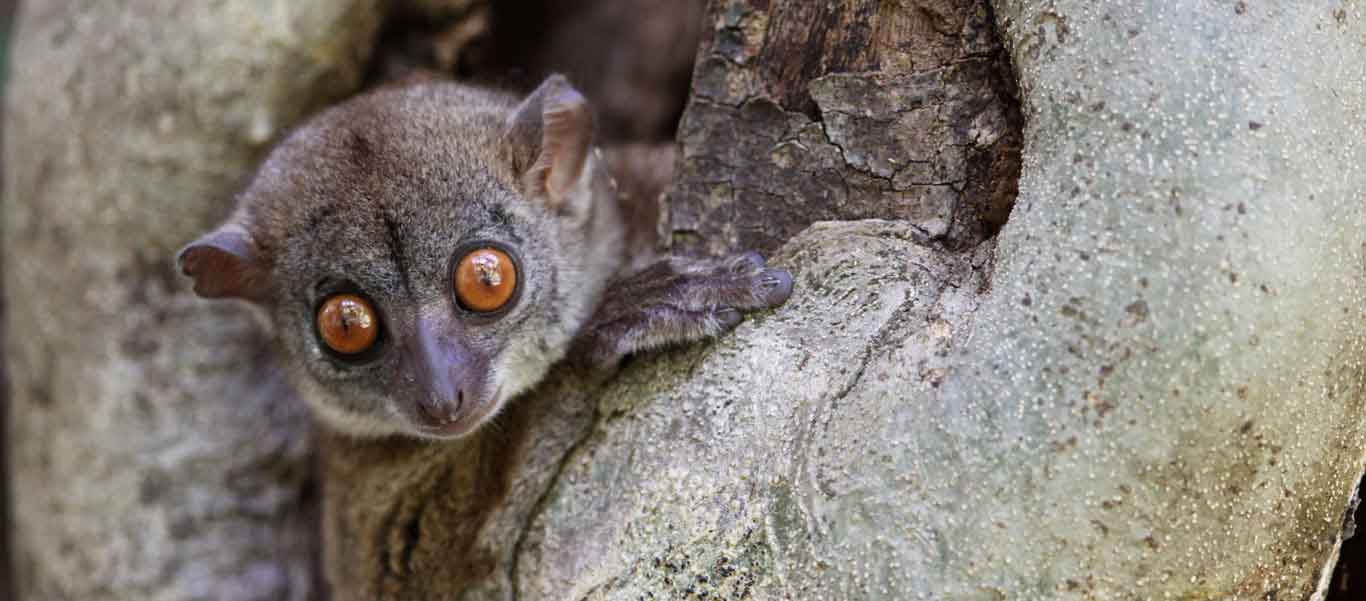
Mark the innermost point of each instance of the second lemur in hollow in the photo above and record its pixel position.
(427, 252)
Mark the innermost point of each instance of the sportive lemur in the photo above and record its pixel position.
(426, 252)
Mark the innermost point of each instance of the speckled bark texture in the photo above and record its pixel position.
(1154, 392)
(154, 452)
(1173, 346)
(804, 111)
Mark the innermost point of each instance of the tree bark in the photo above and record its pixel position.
(810, 111)
(152, 455)
(1150, 386)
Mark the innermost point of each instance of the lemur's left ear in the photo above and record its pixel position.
(225, 263)
(548, 141)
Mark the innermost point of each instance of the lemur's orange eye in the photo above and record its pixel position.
(485, 280)
(348, 324)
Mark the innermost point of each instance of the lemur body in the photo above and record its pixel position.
(427, 252)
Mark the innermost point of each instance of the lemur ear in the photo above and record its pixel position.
(548, 141)
(225, 263)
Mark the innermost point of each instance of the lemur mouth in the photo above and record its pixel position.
(454, 428)
(468, 419)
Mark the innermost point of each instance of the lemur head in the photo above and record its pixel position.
(425, 253)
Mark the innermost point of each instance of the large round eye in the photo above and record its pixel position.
(347, 324)
(485, 280)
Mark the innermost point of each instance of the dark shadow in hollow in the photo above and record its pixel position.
(633, 59)
(1349, 577)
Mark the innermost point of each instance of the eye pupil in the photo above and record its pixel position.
(485, 279)
(347, 324)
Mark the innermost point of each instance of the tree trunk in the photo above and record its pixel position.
(1154, 392)
(152, 455)
(1151, 388)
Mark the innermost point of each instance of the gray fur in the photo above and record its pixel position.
(378, 194)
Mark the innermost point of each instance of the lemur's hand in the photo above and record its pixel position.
(678, 300)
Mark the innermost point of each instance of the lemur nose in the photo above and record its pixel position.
(442, 411)
(443, 371)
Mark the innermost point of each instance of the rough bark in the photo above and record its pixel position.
(808, 111)
(1159, 395)
(151, 455)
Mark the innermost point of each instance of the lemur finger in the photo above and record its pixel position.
(774, 287)
(761, 290)
(657, 327)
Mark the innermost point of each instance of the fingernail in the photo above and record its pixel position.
(776, 285)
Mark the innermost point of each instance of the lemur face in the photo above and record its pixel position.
(425, 253)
